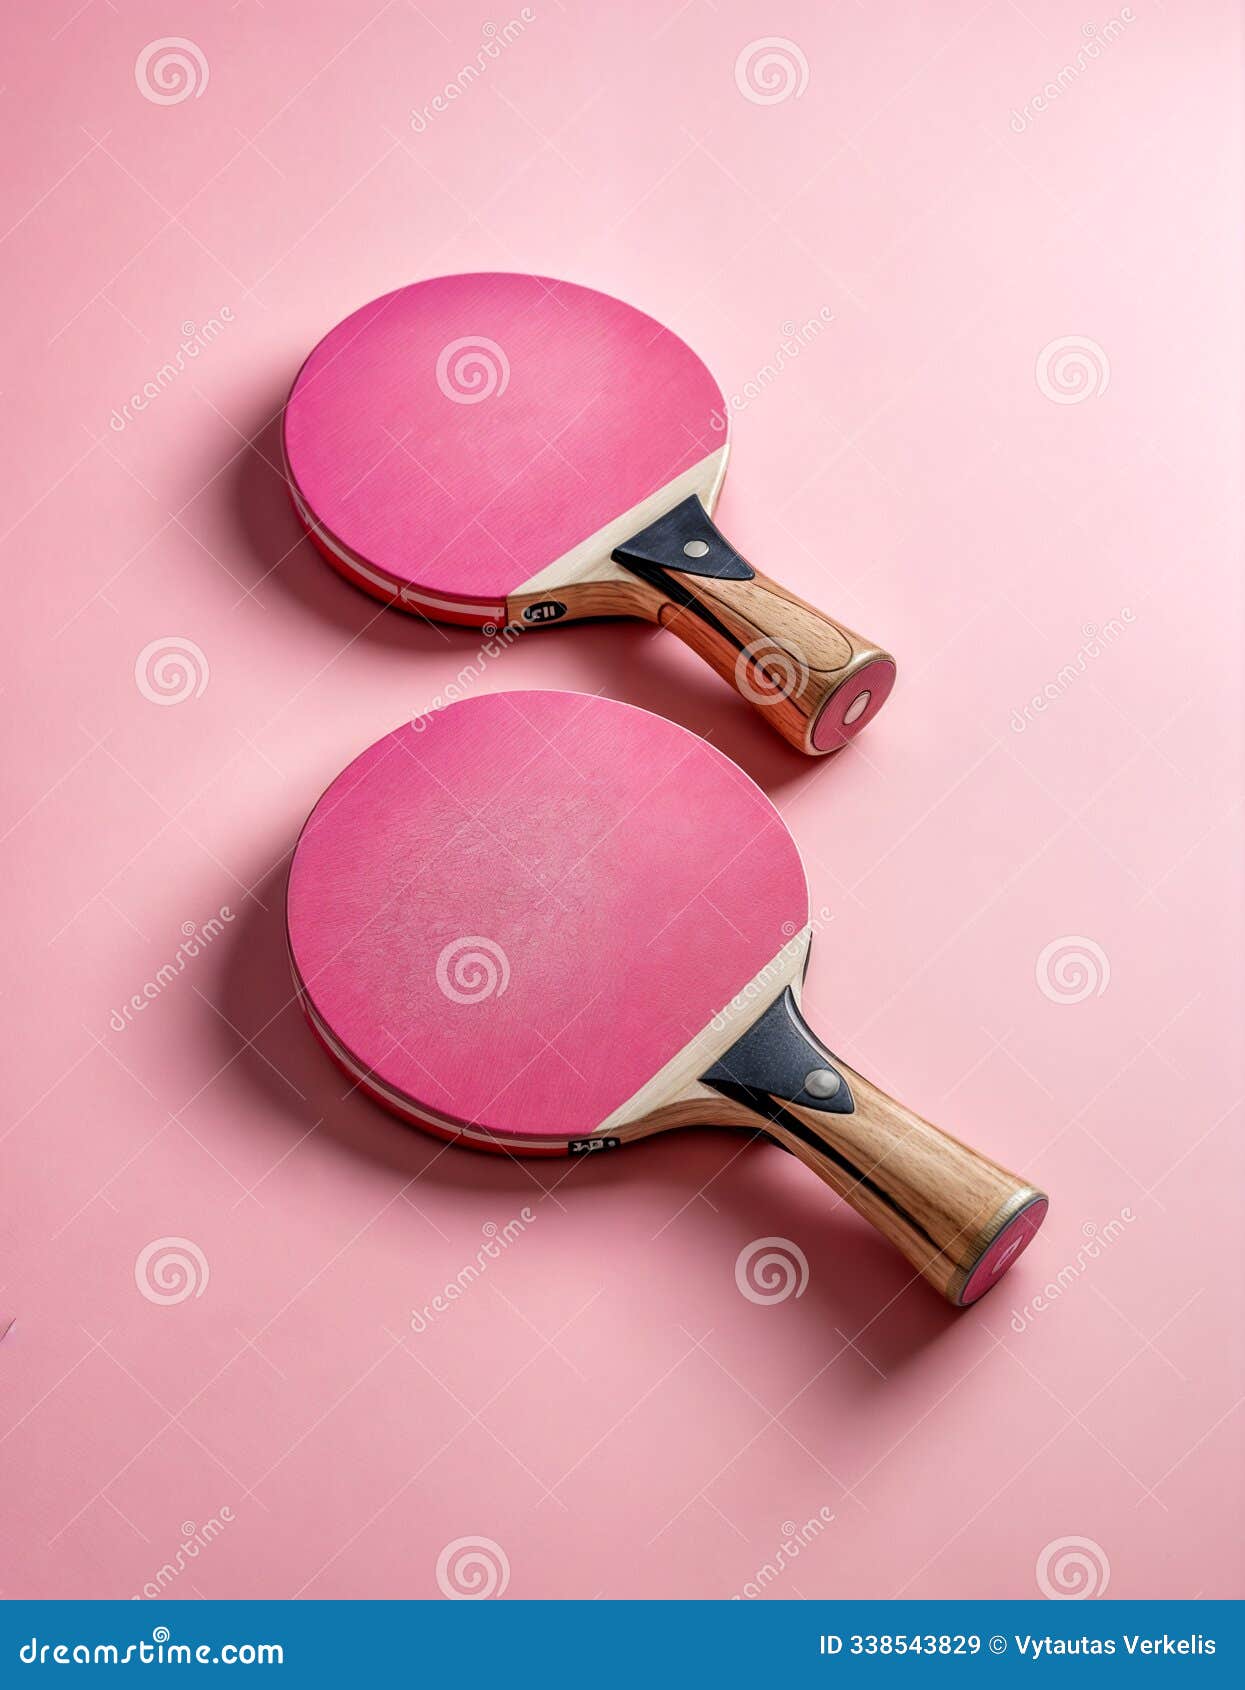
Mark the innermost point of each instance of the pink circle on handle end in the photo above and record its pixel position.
(842, 715)
(1007, 1248)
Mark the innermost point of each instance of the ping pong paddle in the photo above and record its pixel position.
(506, 450)
(548, 923)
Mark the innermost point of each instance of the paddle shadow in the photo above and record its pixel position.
(871, 1290)
(627, 660)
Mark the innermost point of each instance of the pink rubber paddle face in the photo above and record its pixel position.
(513, 913)
(457, 437)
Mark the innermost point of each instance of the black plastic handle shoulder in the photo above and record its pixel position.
(778, 1060)
(684, 539)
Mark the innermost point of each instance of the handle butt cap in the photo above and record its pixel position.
(1009, 1239)
(852, 705)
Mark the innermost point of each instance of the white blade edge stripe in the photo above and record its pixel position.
(591, 559)
(713, 1041)
(582, 563)
(679, 1074)
(410, 595)
(402, 1104)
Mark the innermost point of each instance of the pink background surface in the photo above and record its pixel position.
(603, 1404)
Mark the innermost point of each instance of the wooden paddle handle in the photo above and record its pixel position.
(810, 678)
(959, 1218)
(815, 681)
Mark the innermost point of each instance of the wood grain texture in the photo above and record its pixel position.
(785, 657)
(941, 1203)
(475, 439)
(618, 594)
(789, 660)
(958, 1217)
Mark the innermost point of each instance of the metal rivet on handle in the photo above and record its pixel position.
(696, 548)
(822, 1082)
(856, 708)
